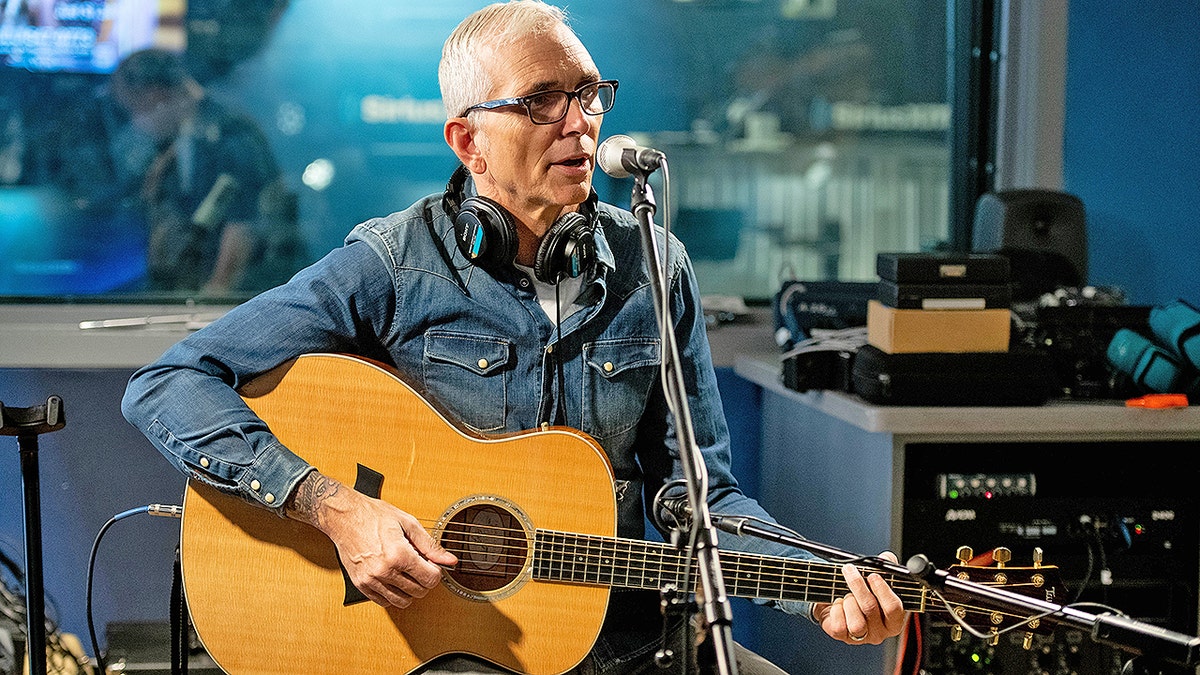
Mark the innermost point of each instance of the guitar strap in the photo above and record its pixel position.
(179, 621)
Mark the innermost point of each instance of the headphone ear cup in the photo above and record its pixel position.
(485, 233)
(567, 250)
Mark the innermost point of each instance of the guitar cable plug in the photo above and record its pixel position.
(161, 510)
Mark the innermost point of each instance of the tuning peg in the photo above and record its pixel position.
(995, 636)
(964, 554)
(955, 633)
(1027, 643)
(1001, 555)
(1038, 556)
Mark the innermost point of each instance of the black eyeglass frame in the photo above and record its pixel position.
(527, 99)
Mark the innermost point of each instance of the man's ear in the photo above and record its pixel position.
(461, 139)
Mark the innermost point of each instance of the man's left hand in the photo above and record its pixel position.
(869, 614)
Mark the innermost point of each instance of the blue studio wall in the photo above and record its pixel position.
(1132, 143)
(355, 83)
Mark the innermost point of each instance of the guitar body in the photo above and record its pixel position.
(267, 594)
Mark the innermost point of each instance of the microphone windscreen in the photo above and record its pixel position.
(608, 155)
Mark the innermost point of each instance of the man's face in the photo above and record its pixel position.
(537, 170)
(156, 111)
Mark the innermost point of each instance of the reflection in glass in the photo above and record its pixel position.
(803, 137)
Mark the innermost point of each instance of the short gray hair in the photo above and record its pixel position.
(463, 72)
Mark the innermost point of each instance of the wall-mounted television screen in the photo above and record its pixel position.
(85, 36)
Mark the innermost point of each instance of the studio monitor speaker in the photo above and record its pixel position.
(1043, 232)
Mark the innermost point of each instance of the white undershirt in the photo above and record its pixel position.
(568, 292)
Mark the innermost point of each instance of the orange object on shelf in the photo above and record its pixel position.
(1158, 401)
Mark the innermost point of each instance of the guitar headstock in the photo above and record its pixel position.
(994, 568)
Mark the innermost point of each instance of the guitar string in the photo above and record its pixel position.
(588, 546)
(585, 544)
(812, 591)
(814, 582)
(573, 544)
(595, 547)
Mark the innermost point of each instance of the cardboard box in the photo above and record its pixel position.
(897, 331)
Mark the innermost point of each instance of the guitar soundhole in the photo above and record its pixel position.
(492, 548)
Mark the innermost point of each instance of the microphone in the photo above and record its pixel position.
(620, 157)
(216, 203)
(678, 508)
(681, 511)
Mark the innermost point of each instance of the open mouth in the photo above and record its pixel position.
(576, 162)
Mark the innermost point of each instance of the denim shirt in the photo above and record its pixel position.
(478, 345)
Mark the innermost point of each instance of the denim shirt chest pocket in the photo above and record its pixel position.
(467, 375)
(617, 378)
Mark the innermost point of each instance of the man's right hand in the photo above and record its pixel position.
(386, 552)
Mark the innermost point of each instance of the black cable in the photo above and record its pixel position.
(166, 510)
(1087, 577)
(560, 414)
(13, 568)
(12, 607)
(179, 640)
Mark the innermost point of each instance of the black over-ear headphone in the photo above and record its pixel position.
(486, 236)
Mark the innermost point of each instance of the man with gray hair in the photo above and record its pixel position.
(514, 300)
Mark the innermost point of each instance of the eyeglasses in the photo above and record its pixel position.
(550, 106)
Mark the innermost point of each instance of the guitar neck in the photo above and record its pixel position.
(631, 563)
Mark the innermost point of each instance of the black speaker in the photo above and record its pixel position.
(1043, 233)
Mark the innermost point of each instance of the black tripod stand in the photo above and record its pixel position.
(27, 424)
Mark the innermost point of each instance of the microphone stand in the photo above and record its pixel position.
(27, 424)
(1153, 643)
(713, 602)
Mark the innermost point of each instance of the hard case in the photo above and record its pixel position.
(1013, 378)
(944, 296)
(943, 268)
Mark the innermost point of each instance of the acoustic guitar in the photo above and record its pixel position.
(268, 595)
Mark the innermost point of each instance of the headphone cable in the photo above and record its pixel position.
(560, 414)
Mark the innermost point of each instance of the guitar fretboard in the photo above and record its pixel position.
(631, 563)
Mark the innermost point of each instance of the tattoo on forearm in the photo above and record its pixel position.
(309, 494)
